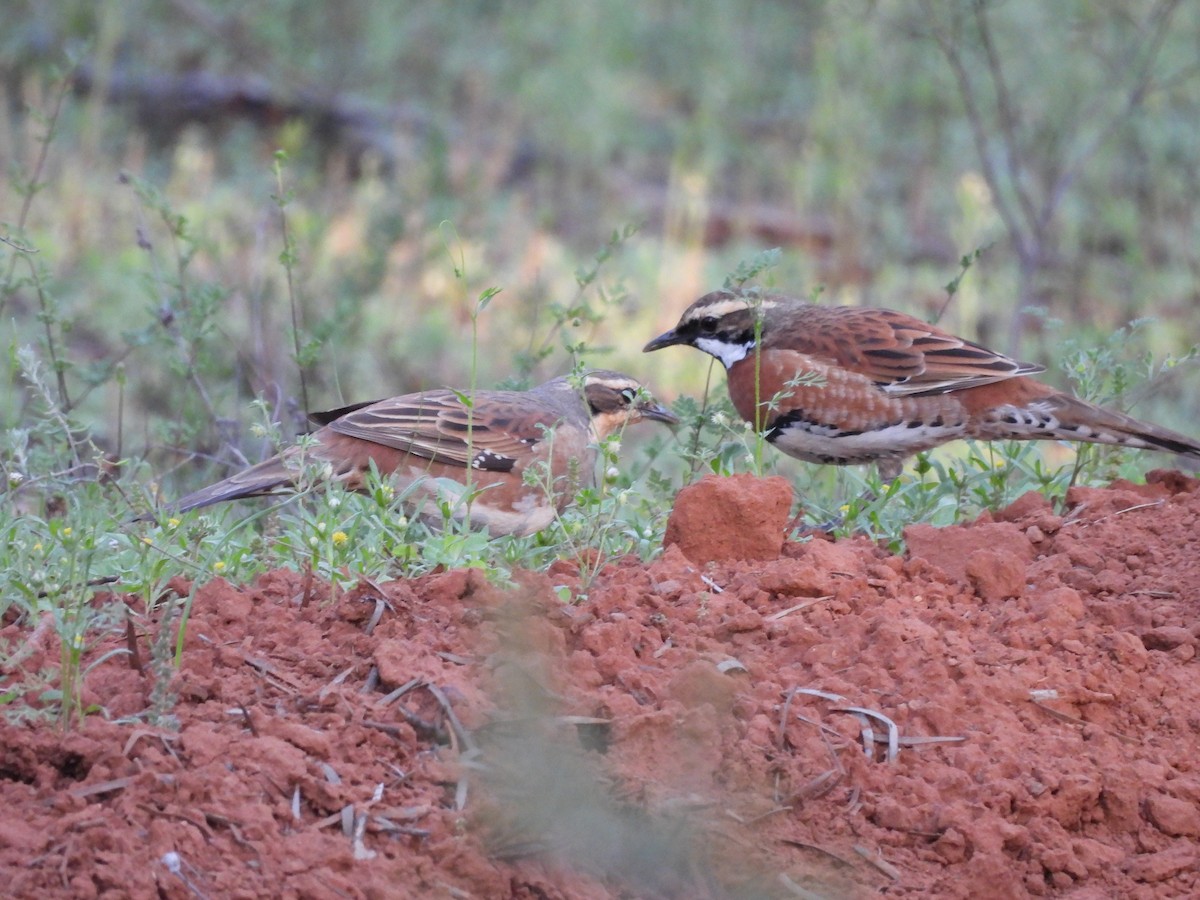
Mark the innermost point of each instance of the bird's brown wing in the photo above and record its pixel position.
(439, 426)
(902, 354)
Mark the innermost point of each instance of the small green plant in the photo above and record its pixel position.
(164, 654)
(939, 488)
(952, 286)
(454, 251)
(763, 262)
(573, 323)
(305, 352)
(182, 320)
(28, 185)
(52, 567)
(1106, 373)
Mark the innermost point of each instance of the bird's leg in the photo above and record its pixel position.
(889, 469)
(796, 525)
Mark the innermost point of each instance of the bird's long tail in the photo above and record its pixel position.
(1066, 418)
(267, 477)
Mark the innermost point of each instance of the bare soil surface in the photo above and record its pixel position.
(1011, 709)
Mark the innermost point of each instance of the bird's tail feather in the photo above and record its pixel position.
(1078, 420)
(265, 478)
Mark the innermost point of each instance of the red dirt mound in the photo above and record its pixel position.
(1011, 710)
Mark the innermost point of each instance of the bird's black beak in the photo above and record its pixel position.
(666, 339)
(657, 413)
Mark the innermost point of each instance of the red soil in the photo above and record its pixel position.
(663, 737)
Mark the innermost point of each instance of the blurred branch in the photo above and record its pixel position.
(1004, 109)
(30, 187)
(288, 260)
(228, 29)
(167, 317)
(49, 318)
(1142, 86)
(949, 46)
(1028, 217)
(164, 102)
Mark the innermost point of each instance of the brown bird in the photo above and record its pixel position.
(843, 384)
(437, 440)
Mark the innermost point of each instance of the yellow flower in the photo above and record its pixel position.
(172, 523)
(147, 542)
(339, 538)
(219, 566)
(66, 532)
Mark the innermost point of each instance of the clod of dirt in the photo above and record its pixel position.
(735, 517)
(989, 544)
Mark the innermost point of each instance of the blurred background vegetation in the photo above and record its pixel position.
(602, 164)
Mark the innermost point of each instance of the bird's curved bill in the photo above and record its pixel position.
(666, 339)
(658, 413)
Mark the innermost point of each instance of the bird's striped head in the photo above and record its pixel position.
(724, 324)
(615, 400)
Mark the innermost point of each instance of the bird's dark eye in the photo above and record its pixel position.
(708, 323)
(629, 395)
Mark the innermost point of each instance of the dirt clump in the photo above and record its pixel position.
(1008, 710)
(730, 518)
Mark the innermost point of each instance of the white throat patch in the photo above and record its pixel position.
(728, 354)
